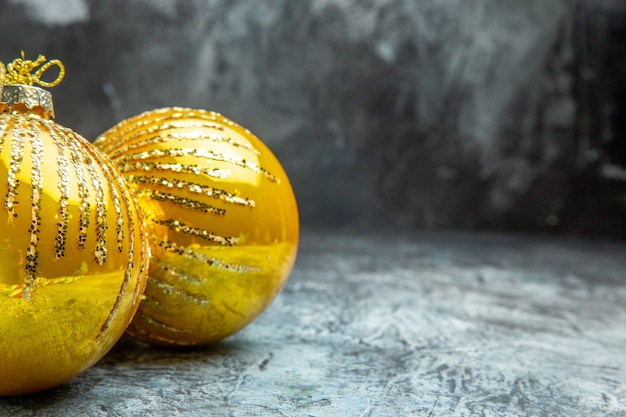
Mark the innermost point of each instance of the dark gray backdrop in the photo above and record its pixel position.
(485, 114)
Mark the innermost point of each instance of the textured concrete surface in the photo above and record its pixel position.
(445, 113)
(386, 325)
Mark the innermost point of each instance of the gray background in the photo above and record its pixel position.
(502, 115)
(484, 114)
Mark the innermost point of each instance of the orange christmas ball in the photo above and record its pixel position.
(222, 222)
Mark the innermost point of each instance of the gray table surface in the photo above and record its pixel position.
(394, 325)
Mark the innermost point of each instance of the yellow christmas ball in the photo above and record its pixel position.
(222, 220)
(72, 252)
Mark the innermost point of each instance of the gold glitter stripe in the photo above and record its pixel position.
(113, 181)
(182, 136)
(100, 251)
(158, 324)
(64, 217)
(130, 266)
(17, 155)
(84, 209)
(144, 250)
(181, 227)
(144, 255)
(82, 158)
(32, 254)
(119, 222)
(177, 168)
(122, 292)
(159, 119)
(138, 332)
(170, 289)
(83, 194)
(78, 159)
(63, 185)
(193, 188)
(210, 261)
(153, 303)
(182, 202)
(4, 124)
(177, 273)
(199, 153)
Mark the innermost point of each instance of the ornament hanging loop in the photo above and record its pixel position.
(44, 68)
(20, 71)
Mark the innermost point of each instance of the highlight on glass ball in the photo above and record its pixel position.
(222, 222)
(73, 257)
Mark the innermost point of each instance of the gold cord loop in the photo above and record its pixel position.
(44, 68)
(20, 71)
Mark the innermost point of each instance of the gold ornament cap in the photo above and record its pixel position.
(26, 97)
(17, 86)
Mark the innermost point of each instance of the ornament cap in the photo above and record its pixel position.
(26, 98)
(17, 86)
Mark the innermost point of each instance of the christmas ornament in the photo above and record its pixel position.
(222, 221)
(72, 243)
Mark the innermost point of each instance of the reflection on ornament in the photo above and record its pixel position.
(72, 250)
(222, 221)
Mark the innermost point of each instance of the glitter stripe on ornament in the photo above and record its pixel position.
(113, 182)
(100, 251)
(173, 123)
(117, 191)
(110, 175)
(191, 187)
(158, 324)
(184, 251)
(63, 185)
(3, 129)
(143, 254)
(182, 136)
(152, 303)
(32, 254)
(124, 134)
(144, 250)
(198, 153)
(119, 223)
(151, 167)
(187, 203)
(135, 331)
(178, 226)
(179, 274)
(160, 119)
(17, 152)
(169, 289)
(84, 208)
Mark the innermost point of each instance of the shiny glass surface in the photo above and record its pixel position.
(222, 221)
(73, 258)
